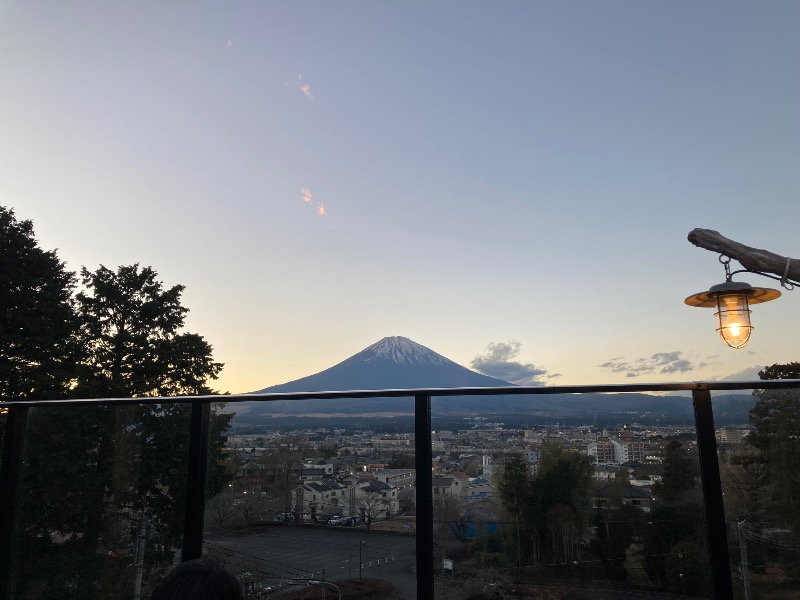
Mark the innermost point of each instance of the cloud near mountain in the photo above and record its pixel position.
(498, 362)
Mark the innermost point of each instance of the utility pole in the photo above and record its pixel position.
(360, 544)
(740, 528)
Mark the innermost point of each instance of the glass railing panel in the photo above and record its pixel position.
(101, 501)
(758, 437)
(318, 495)
(3, 419)
(586, 492)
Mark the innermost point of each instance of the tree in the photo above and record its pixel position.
(562, 501)
(776, 442)
(514, 485)
(38, 326)
(370, 506)
(102, 480)
(401, 461)
(280, 467)
(676, 516)
(551, 508)
(746, 485)
(616, 528)
(221, 508)
(448, 522)
(686, 570)
(679, 482)
(130, 325)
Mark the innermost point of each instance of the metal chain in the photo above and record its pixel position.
(726, 261)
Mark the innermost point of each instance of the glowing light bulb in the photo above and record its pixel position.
(732, 299)
(734, 319)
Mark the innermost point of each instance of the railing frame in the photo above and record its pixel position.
(716, 536)
(10, 471)
(423, 454)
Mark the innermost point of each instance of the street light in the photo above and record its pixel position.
(732, 299)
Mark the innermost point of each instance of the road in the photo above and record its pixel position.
(277, 555)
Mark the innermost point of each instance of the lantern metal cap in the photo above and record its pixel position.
(754, 295)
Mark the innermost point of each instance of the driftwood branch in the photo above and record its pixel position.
(753, 259)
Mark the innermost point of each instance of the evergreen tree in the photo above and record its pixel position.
(514, 487)
(675, 517)
(38, 343)
(552, 507)
(106, 484)
(616, 528)
(679, 481)
(562, 502)
(776, 441)
(130, 325)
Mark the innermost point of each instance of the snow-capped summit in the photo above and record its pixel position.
(403, 351)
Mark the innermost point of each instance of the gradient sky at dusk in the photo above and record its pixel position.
(508, 183)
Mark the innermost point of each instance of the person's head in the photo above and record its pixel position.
(201, 579)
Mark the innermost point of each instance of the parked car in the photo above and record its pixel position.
(284, 517)
(343, 521)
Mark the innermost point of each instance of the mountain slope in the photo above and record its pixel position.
(392, 363)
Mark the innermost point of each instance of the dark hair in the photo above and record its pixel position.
(200, 579)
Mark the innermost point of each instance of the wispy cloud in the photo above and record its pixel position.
(498, 362)
(321, 210)
(306, 89)
(306, 194)
(661, 362)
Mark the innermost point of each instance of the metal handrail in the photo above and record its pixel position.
(433, 392)
(16, 424)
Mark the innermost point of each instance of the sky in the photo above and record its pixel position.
(508, 183)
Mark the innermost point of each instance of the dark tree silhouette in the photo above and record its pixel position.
(38, 328)
(776, 441)
(98, 482)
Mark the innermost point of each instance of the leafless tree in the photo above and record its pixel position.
(221, 508)
(246, 507)
(370, 506)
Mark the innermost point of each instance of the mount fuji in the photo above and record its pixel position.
(400, 363)
(392, 363)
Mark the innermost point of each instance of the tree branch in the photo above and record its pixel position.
(753, 259)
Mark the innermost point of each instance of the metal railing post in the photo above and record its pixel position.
(10, 472)
(196, 482)
(424, 463)
(716, 536)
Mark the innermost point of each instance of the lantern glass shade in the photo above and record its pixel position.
(733, 313)
(732, 299)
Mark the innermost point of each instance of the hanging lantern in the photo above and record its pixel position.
(732, 300)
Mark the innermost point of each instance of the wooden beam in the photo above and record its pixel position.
(753, 259)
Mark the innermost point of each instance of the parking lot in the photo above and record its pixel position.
(279, 555)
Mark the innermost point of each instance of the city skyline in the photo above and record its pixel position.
(510, 186)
